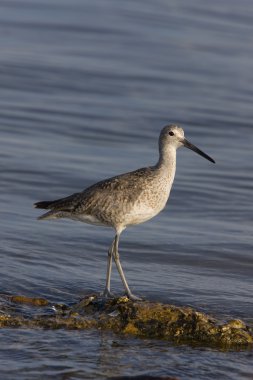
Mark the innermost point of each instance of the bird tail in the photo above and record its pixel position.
(46, 205)
(43, 204)
(59, 208)
(52, 215)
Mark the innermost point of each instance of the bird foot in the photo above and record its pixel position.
(107, 294)
(132, 297)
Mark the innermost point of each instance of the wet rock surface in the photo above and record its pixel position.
(141, 319)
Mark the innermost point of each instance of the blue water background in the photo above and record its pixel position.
(85, 87)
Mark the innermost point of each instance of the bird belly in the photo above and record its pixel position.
(140, 216)
(147, 206)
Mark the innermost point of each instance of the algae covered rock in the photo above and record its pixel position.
(162, 321)
(141, 319)
(29, 300)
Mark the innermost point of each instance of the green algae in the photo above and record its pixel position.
(29, 300)
(140, 319)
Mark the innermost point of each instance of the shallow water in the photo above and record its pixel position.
(85, 89)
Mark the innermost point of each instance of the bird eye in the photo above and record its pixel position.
(171, 133)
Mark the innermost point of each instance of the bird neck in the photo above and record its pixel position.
(167, 160)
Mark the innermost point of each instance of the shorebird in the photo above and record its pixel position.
(126, 199)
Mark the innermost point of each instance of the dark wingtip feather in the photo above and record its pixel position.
(43, 204)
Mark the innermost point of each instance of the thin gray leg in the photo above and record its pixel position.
(120, 270)
(107, 291)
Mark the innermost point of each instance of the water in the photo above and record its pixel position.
(85, 89)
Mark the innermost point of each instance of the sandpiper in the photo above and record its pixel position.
(126, 199)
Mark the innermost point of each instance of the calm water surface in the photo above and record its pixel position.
(85, 89)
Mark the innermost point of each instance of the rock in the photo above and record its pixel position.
(29, 300)
(141, 319)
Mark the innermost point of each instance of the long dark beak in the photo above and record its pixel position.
(188, 145)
